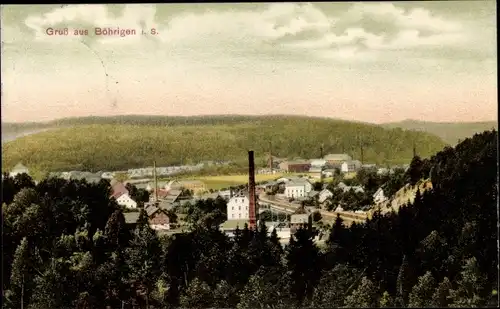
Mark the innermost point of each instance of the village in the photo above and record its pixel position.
(296, 193)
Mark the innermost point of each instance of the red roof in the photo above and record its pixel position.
(161, 193)
(118, 190)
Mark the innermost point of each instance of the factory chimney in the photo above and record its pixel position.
(251, 191)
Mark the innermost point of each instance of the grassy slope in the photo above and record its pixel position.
(450, 132)
(120, 146)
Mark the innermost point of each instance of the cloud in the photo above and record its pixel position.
(364, 30)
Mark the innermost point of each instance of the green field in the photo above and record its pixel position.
(225, 181)
(114, 144)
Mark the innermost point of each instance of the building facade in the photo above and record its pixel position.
(237, 208)
(350, 166)
(297, 188)
(337, 159)
(295, 166)
(126, 201)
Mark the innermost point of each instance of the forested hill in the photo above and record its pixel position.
(450, 132)
(127, 144)
(66, 245)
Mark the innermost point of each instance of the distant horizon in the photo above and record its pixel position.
(360, 61)
(244, 115)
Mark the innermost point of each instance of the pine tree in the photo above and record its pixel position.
(440, 298)
(470, 289)
(21, 270)
(386, 301)
(115, 231)
(364, 296)
(143, 259)
(421, 295)
(403, 285)
(197, 295)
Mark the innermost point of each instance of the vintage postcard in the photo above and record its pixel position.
(250, 155)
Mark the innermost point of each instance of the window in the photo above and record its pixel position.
(234, 216)
(239, 215)
(232, 208)
(239, 207)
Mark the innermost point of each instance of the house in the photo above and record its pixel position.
(122, 195)
(118, 188)
(350, 166)
(157, 217)
(237, 207)
(131, 219)
(337, 159)
(19, 169)
(369, 166)
(313, 193)
(379, 196)
(346, 188)
(295, 166)
(230, 226)
(126, 201)
(301, 218)
(299, 187)
(226, 194)
(324, 195)
(173, 196)
(319, 163)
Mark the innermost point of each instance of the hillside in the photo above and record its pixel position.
(450, 132)
(126, 145)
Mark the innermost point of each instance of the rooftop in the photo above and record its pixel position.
(131, 217)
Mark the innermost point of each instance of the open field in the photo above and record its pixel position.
(225, 181)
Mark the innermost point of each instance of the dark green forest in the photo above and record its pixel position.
(119, 143)
(66, 245)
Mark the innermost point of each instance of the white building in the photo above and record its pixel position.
(19, 169)
(324, 195)
(350, 166)
(237, 207)
(126, 201)
(379, 196)
(297, 188)
(318, 163)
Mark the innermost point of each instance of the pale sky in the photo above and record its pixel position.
(372, 62)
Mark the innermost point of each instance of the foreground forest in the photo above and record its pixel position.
(66, 246)
(128, 143)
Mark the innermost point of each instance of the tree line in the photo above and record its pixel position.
(90, 147)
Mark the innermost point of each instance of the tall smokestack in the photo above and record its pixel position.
(251, 190)
(156, 181)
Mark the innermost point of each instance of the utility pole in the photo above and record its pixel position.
(321, 151)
